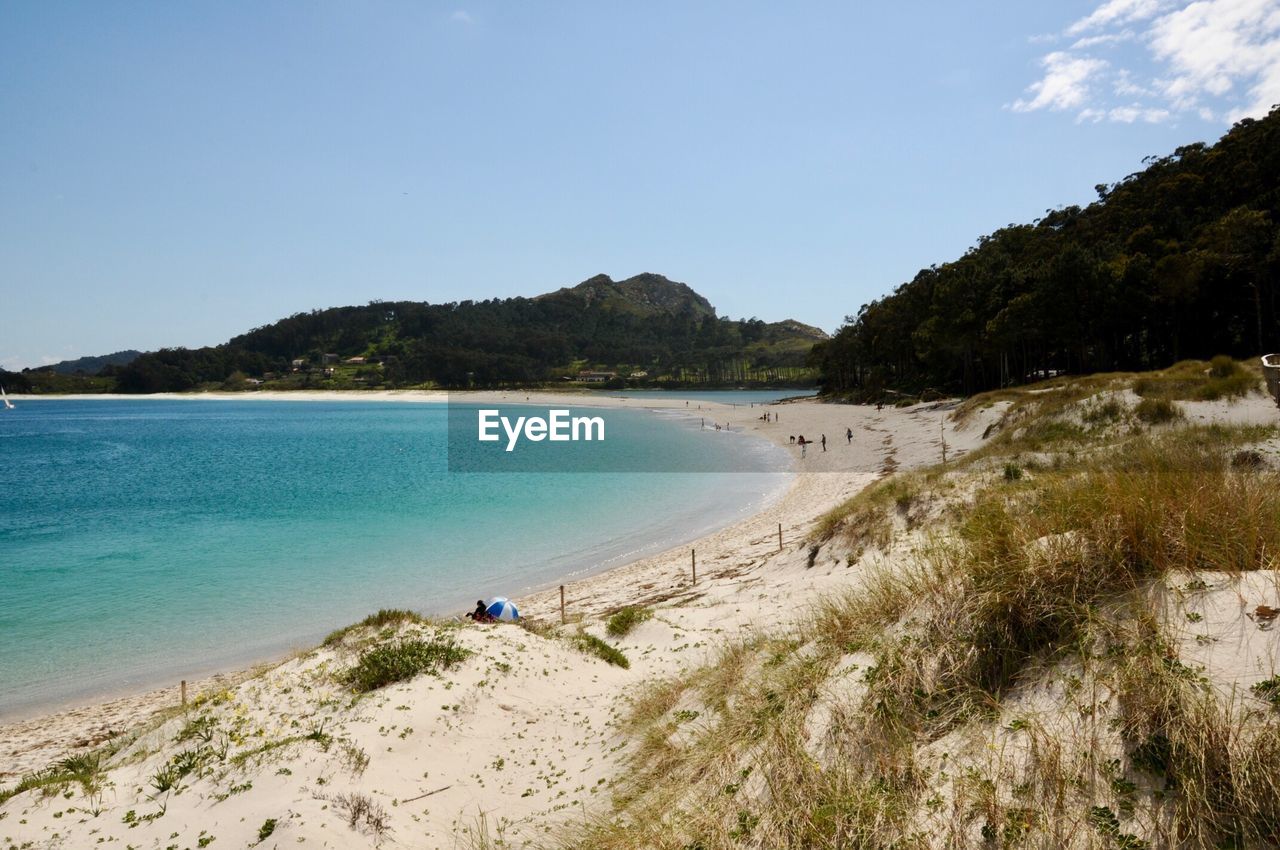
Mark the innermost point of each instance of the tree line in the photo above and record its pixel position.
(497, 342)
(1177, 261)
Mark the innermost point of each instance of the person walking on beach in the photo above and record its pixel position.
(824, 442)
(803, 445)
(848, 435)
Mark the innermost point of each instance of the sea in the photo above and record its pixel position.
(143, 541)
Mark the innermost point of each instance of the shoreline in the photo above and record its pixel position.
(153, 685)
(820, 481)
(589, 398)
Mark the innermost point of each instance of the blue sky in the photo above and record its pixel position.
(175, 173)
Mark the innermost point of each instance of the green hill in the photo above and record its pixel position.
(1178, 261)
(94, 365)
(646, 330)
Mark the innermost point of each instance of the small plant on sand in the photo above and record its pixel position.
(402, 660)
(622, 622)
(362, 812)
(1102, 413)
(354, 757)
(267, 828)
(1269, 690)
(592, 645)
(384, 617)
(201, 728)
(1157, 411)
(541, 628)
(84, 770)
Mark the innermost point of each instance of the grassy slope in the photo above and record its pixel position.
(1013, 670)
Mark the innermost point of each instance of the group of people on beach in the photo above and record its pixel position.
(804, 444)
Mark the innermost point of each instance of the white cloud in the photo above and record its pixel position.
(1115, 12)
(1103, 40)
(1135, 112)
(1065, 83)
(1125, 86)
(1214, 59)
(461, 17)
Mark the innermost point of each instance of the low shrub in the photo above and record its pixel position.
(1157, 411)
(592, 645)
(622, 622)
(384, 617)
(1194, 380)
(402, 660)
(1103, 412)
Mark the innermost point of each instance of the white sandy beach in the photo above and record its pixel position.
(523, 733)
(744, 582)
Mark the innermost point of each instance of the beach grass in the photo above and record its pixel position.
(621, 622)
(591, 645)
(403, 659)
(1029, 575)
(380, 619)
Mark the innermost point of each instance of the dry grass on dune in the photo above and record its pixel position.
(885, 719)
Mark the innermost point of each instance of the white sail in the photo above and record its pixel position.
(8, 405)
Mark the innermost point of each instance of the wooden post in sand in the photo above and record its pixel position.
(779, 537)
(942, 430)
(693, 560)
(184, 691)
(562, 617)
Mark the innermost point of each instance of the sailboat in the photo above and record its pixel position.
(8, 405)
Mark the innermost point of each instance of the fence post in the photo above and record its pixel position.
(693, 560)
(184, 691)
(563, 620)
(779, 537)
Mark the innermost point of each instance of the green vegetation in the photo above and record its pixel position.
(384, 617)
(853, 730)
(866, 520)
(403, 659)
(46, 381)
(592, 645)
(1157, 411)
(1269, 690)
(1193, 380)
(622, 622)
(94, 365)
(1176, 261)
(647, 330)
(268, 827)
(84, 770)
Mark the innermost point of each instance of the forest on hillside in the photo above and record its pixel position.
(1177, 261)
(646, 326)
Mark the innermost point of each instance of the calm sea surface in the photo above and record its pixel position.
(143, 540)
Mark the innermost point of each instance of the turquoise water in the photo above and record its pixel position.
(142, 540)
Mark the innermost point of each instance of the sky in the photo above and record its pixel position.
(172, 174)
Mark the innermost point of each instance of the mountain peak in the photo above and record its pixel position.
(645, 294)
